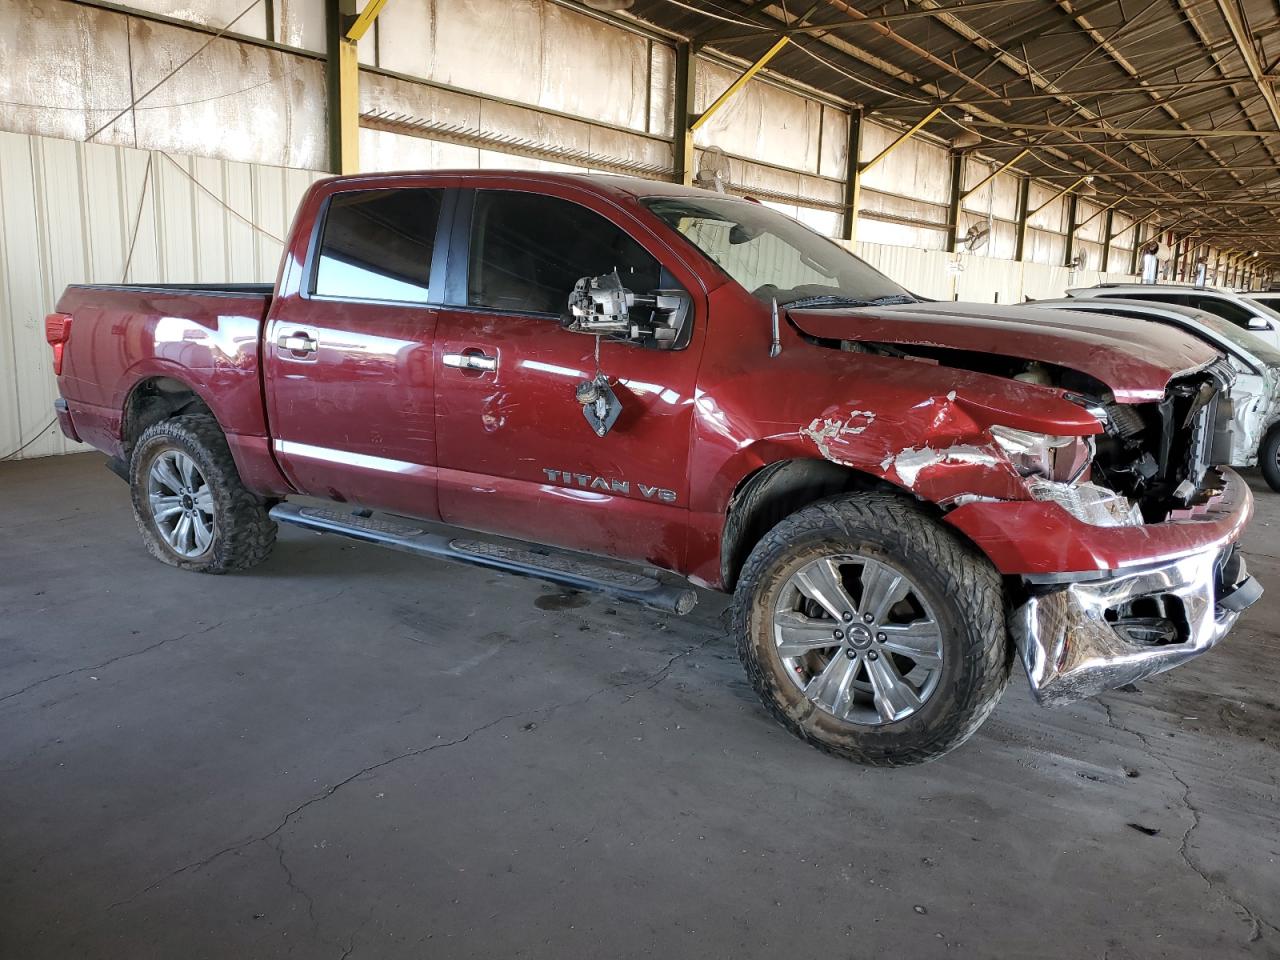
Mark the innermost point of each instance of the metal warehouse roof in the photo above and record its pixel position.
(1170, 103)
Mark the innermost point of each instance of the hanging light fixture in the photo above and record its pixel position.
(1087, 189)
(966, 137)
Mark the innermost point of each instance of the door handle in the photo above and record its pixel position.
(470, 361)
(296, 343)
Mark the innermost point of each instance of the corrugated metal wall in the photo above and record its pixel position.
(978, 279)
(68, 213)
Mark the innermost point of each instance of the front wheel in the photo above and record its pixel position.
(1269, 458)
(190, 504)
(871, 631)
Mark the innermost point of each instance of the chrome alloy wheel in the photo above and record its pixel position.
(858, 638)
(181, 503)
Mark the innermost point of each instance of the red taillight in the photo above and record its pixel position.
(57, 330)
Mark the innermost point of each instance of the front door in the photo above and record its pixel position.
(350, 372)
(516, 455)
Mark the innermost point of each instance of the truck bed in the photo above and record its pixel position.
(205, 336)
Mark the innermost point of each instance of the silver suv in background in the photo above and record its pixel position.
(1255, 395)
(1247, 314)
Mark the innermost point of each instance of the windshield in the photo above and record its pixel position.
(775, 257)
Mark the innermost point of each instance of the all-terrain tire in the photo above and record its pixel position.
(243, 533)
(961, 587)
(1269, 458)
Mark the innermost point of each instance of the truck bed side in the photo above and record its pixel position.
(127, 341)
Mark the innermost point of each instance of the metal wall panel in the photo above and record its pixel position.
(71, 69)
(67, 214)
(762, 121)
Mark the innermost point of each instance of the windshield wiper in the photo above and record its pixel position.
(836, 300)
(827, 300)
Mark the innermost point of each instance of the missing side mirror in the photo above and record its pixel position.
(603, 307)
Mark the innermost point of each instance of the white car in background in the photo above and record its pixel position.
(1268, 298)
(1244, 312)
(1255, 396)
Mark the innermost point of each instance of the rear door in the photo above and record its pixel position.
(516, 454)
(350, 373)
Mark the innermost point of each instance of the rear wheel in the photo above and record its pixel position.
(190, 505)
(871, 631)
(1269, 458)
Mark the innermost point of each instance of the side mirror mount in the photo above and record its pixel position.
(602, 307)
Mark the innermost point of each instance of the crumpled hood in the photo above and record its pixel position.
(1135, 359)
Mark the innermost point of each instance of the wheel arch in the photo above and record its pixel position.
(155, 398)
(768, 494)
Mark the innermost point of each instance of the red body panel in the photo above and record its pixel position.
(1131, 357)
(209, 341)
(376, 418)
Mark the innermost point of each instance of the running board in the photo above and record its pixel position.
(558, 568)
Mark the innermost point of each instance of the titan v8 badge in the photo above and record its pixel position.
(589, 481)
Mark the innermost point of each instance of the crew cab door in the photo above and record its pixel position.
(349, 366)
(516, 455)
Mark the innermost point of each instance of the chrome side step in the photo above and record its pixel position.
(559, 568)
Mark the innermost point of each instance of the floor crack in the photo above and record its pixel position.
(155, 646)
(648, 682)
(1256, 923)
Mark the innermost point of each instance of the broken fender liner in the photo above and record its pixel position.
(558, 568)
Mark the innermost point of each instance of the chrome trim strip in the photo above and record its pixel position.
(347, 458)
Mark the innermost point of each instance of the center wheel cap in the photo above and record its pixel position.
(859, 637)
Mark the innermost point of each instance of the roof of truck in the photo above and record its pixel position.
(602, 182)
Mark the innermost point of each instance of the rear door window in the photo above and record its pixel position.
(377, 245)
(528, 250)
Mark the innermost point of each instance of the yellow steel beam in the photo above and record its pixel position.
(1095, 216)
(364, 21)
(991, 176)
(348, 107)
(346, 27)
(1061, 193)
(738, 84)
(855, 191)
(906, 135)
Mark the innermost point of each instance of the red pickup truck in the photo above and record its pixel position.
(903, 496)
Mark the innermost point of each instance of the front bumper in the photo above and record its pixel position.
(1081, 638)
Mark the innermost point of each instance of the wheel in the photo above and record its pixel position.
(190, 505)
(1269, 458)
(871, 631)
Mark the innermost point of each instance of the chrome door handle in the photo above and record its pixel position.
(470, 361)
(296, 343)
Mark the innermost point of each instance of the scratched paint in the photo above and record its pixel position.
(910, 463)
(824, 431)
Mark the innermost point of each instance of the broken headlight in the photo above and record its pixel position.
(1062, 459)
(1053, 466)
(1089, 503)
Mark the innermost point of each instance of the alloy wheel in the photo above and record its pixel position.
(181, 503)
(857, 637)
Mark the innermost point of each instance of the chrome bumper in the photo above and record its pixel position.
(1081, 638)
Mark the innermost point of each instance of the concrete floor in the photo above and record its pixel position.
(352, 753)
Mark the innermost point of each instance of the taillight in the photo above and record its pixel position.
(57, 330)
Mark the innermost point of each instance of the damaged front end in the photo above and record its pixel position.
(1080, 634)
(1082, 638)
(1117, 545)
